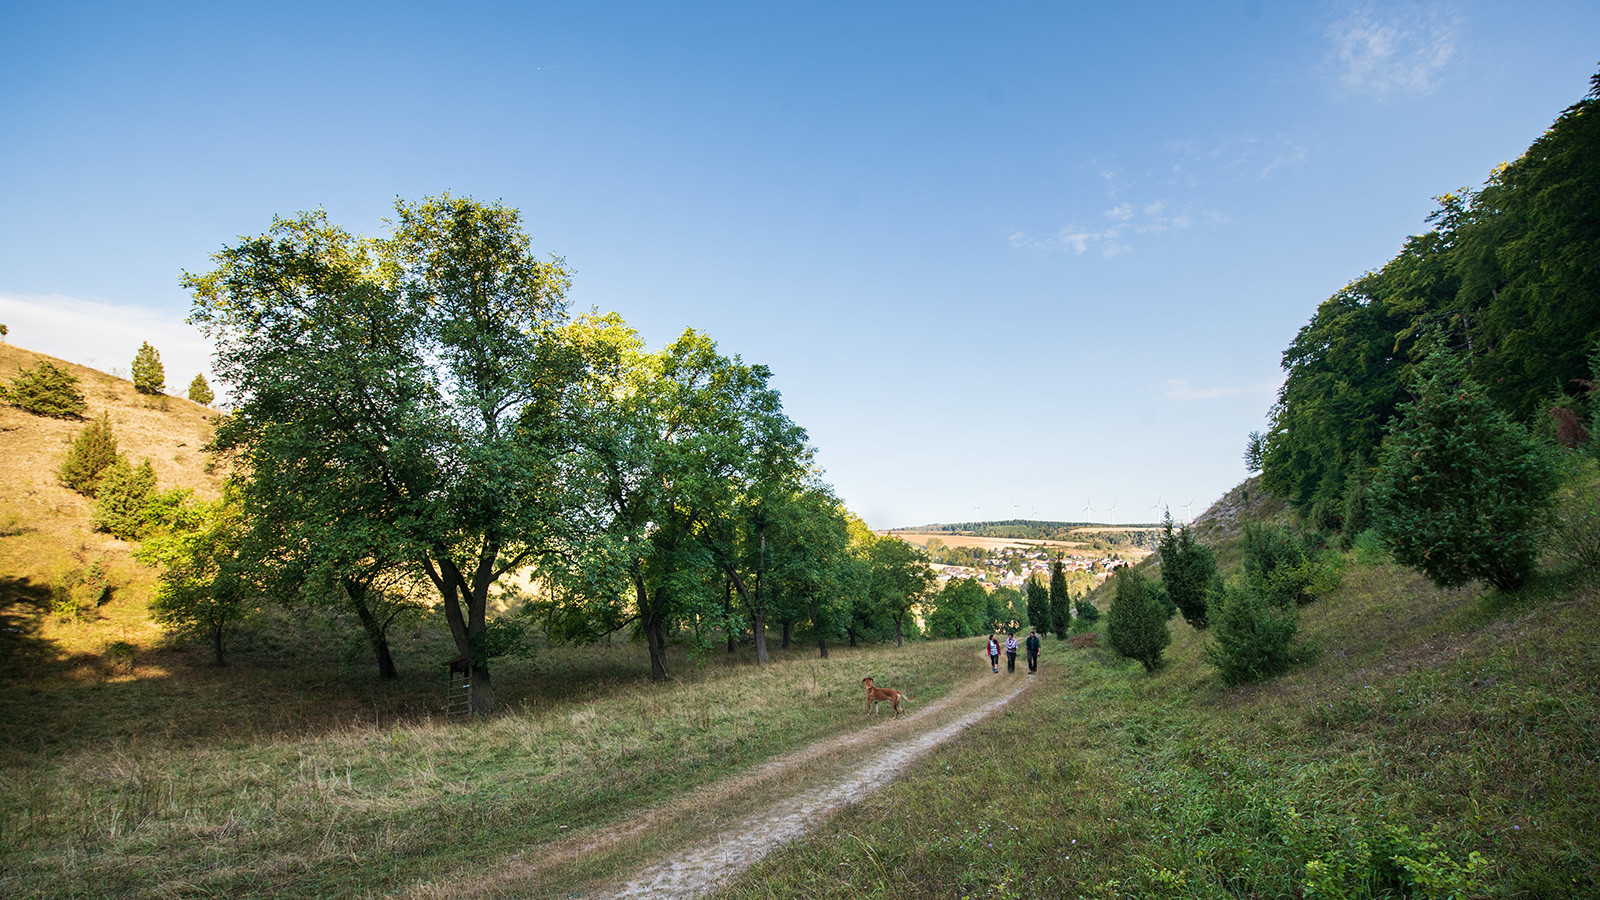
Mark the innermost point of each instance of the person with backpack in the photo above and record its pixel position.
(1011, 653)
(1033, 651)
(994, 654)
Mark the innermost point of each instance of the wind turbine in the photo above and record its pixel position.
(1086, 507)
(1013, 509)
(1113, 513)
(975, 508)
(1157, 505)
(1188, 512)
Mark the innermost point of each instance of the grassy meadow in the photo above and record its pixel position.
(1445, 740)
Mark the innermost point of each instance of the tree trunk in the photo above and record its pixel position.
(758, 615)
(727, 614)
(377, 634)
(216, 643)
(788, 629)
(759, 620)
(651, 610)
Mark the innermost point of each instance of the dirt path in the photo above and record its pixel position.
(697, 870)
(747, 822)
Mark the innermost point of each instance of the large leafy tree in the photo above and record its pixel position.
(961, 609)
(899, 578)
(390, 385)
(680, 450)
(1461, 490)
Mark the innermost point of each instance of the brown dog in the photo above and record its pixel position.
(876, 695)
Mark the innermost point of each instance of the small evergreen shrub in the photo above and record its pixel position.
(200, 392)
(90, 454)
(149, 376)
(1462, 491)
(1187, 570)
(121, 505)
(47, 390)
(1136, 624)
(1251, 636)
(1088, 613)
(1280, 566)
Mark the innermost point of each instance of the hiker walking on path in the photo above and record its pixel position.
(1011, 653)
(994, 654)
(1033, 651)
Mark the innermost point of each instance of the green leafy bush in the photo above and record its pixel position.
(88, 457)
(1136, 624)
(47, 390)
(1251, 636)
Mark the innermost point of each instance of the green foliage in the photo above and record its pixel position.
(1369, 549)
(121, 505)
(898, 577)
(200, 391)
(1282, 569)
(204, 590)
(149, 376)
(960, 610)
(81, 591)
(46, 390)
(1060, 600)
(1255, 450)
(1575, 526)
(1461, 490)
(1509, 275)
(1251, 636)
(1391, 861)
(91, 452)
(1188, 568)
(1088, 613)
(1136, 623)
(1038, 605)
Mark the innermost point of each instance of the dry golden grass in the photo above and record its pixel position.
(45, 529)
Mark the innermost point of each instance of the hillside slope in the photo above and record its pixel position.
(45, 529)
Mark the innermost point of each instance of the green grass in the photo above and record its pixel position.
(1434, 746)
(196, 782)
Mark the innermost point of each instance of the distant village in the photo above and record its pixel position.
(1013, 566)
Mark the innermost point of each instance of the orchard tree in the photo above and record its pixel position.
(899, 578)
(204, 590)
(411, 368)
(960, 609)
(1461, 490)
(149, 376)
(674, 450)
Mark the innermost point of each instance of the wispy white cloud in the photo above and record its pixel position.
(1402, 48)
(106, 336)
(1179, 389)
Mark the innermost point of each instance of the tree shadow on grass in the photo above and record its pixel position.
(23, 650)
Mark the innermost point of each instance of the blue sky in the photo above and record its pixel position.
(999, 256)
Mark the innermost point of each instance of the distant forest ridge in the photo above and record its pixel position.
(1020, 529)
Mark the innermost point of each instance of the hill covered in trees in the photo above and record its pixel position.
(1507, 282)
